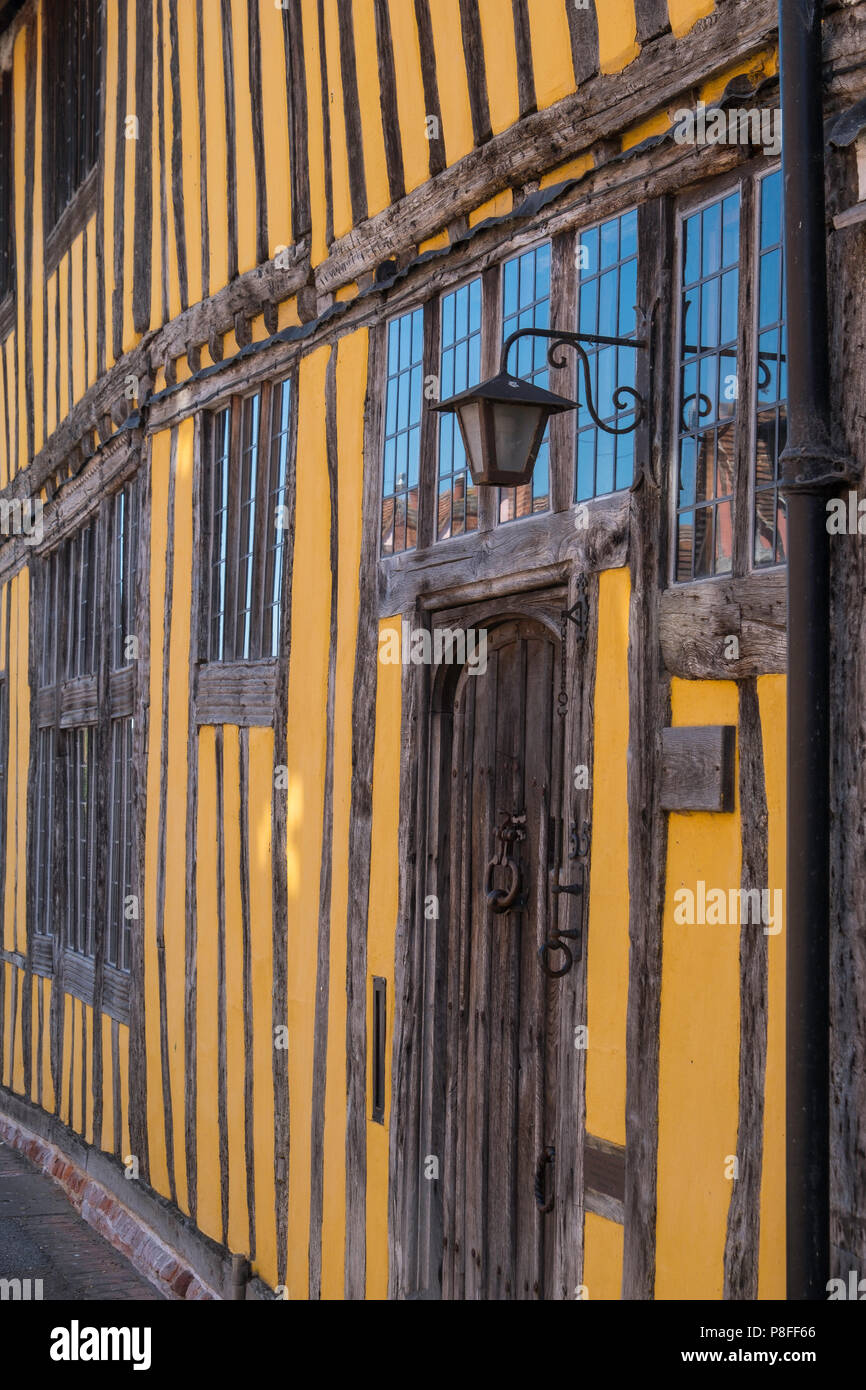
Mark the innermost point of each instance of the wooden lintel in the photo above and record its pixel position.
(517, 555)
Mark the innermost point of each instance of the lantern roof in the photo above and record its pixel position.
(512, 390)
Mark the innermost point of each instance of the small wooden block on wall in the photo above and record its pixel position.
(604, 1178)
(698, 768)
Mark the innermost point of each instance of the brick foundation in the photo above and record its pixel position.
(125, 1231)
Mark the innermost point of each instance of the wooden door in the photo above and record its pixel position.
(501, 1021)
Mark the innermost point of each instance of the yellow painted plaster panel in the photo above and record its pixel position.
(602, 1257)
(550, 41)
(247, 199)
(434, 243)
(123, 1052)
(49, 1102)
(684, 14)
(67, 1019)
(654, 125)
(35, 213)
(110, 163)
(699, 1034)
(453, 95)
(370, 104)
(107, 1087)
(608, 937)
(411, 109)
(170, 117)
(130, 337)
(340, 155)
(617, 34)
(90, 309)
(276, 127)
(215, 134)
(51, 360)
(156, 312)
(498, 206)
(573, 169)
(18, 1036)
(500, 63)
(315, 137)
(287, 315)
(756, 68)
(191, 118)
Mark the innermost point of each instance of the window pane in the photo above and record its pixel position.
(80, 806)
(246, 547)
(124, 574)
(218, 461)
(460, 369)
(527, 306)
(403, 402)
(246, 490)
(73, 62)
(121, 840)
(770, 423)
(606, 306)
(44, 828)
(708, 389)
(277, 518)
(692, 258)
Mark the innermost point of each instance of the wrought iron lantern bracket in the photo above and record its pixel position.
(625, 398)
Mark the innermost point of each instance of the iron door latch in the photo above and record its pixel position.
(510, 899)
(558, 940)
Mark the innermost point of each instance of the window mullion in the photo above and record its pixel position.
(744, 448)
(209, 492)
(232, 524)
(262, 522)
(428, 481)
(491, 349)
(563, 299)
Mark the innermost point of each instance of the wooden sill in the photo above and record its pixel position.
(236, 692)
(697, 620)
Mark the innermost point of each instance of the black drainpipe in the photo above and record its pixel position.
(811, 476)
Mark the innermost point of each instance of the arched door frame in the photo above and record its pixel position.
(415, 1208)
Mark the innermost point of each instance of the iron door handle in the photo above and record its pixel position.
(502, 899)
(546, 1158)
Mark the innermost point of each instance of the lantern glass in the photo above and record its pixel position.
(469, 419)
(516, 428)
(502, 422)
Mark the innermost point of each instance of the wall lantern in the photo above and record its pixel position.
(503, 420)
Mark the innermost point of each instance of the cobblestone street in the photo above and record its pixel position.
(42, 1237)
